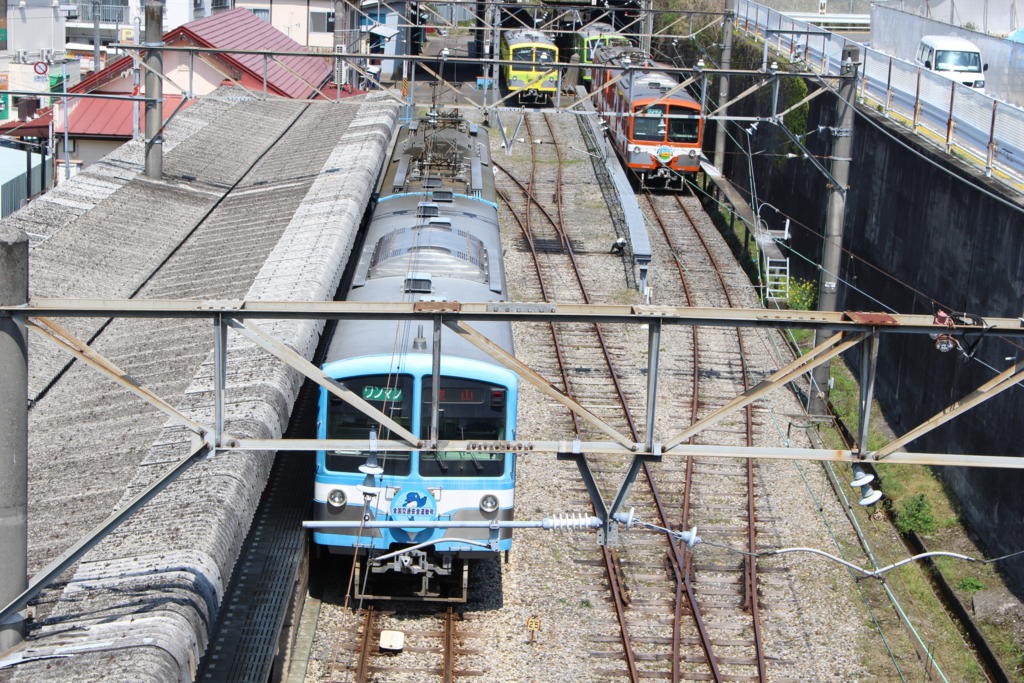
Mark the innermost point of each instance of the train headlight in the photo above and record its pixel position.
(489, 503)
(336, 498)
(979, 84)
(636, 149)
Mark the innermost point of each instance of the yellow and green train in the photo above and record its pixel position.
(534, 83)
(589, 38)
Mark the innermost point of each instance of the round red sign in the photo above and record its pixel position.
(40, 68)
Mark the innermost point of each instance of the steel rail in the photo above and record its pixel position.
(609, 556)
(751, 597)
(686, 571)
(675, 555)
(365, 643)
(448, 647)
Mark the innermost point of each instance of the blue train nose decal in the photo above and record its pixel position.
(414, 499)
(413, 505)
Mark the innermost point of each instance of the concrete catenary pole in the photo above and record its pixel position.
(723, 83)
(95, 36)
(13, 431)
(154, 87)
(842, 144)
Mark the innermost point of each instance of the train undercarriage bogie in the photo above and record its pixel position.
(416, 575)
(662, 179)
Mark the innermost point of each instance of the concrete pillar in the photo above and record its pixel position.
(828, 285)
(96, 36)
(723, 83)
(154, 88)
(13, 431)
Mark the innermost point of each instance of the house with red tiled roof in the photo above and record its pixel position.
(295, 77)
(96, 126)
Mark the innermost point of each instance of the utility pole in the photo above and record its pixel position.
(842, 144)
(723, 83)
(154, 87)
(13, 432)
(95, 36)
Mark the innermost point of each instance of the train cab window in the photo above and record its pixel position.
(392, 395)
(545, 55)
(469, 411)
(648, 124)
(683, 130)
(521, 54)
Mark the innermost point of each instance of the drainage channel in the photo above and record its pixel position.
(260, 600)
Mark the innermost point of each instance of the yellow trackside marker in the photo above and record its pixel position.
(533, 625)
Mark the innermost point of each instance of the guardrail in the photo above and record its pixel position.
(108, 14)
(985, 132)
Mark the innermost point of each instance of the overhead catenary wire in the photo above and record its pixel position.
(691, 539)
(900, 611)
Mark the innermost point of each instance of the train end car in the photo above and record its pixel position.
(433, 236)
(656, 129)
(536, 83)
(592, 36)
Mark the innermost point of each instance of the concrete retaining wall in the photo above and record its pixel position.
(917, 233)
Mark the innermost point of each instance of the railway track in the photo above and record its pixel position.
(649, 577)
(712, 500)
(429, 653)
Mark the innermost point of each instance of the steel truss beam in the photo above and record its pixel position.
(452, 314)
(80, 350)
(527, 373)
(820, 354)
(853, 329)
(527, 447)
(350, 56)
(285, 354)
(995, 386)
(538, 312)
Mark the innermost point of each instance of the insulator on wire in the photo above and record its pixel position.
(571, 522)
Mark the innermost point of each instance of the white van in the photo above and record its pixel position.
(955, 58)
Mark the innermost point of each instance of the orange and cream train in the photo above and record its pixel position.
(656, 132)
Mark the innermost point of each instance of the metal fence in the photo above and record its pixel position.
(980, 129)
(108, 14)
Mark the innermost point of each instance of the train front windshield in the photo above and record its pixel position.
(683, 130)
(468, 411)
(649, 124)
(392, 395)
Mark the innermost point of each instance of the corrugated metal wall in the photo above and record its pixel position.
(13, 192)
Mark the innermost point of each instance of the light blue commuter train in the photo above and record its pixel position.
(433, 236)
